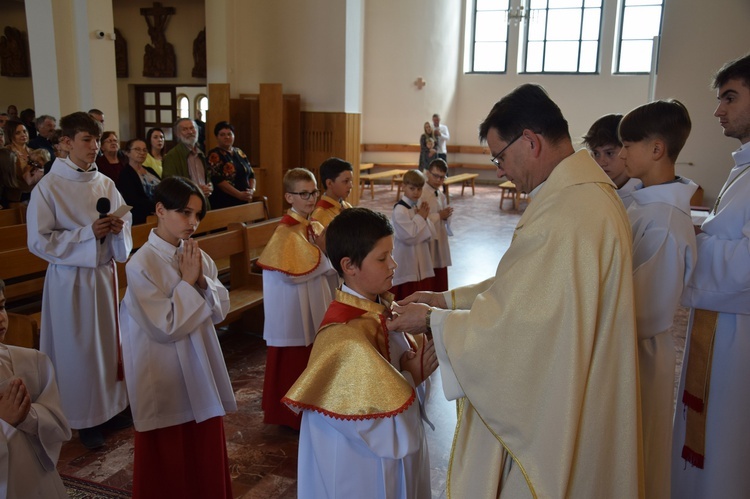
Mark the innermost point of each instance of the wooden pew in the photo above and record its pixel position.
(12, 237)
(221, 218)
(240, 243)
(12, 216)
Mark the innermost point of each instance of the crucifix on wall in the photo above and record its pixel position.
(159, 58)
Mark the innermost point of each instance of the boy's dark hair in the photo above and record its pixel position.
(353, 234)
(78, 122)
(438, 163)
(738, 69)
(667, 120)
(331, 168)
(174, 193)
(603, 132)
(527, 107)
(414, 177)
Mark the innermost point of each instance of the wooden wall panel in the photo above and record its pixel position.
(331, 134)
(272, 145)
(218, 110)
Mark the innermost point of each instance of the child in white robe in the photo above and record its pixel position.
(177, 379)
(360, 397)
(440, 215)
(68, 227)
(664, 255)
(412, 234)
(604, 145)
(32, 424)
(298, 285)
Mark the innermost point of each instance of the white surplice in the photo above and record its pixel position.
(626, 191)
(29, 452)
(411, 246)
(174, 365)
(380, 458)
(295, 305)
(440, 250)
(664, 256)
(721, 282)
(79, 305)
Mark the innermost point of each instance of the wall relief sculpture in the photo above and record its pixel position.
(199, 55)
(14, 53)
(121, 55)
(159, 58)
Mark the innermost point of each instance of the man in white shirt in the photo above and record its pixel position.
(443, 135)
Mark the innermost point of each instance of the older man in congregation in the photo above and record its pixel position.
(186, 159)
(542, 356)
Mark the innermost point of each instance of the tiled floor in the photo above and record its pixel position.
(264, 458)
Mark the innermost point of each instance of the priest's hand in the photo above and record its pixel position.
(420, 364)
(429, 297)
(15, 402)
(410, 318)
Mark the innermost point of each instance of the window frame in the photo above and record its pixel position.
(525, 42)
(473, 42)
(618, 39)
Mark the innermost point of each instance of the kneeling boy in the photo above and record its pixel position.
(362, 433)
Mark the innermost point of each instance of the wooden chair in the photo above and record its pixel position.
(508, 191)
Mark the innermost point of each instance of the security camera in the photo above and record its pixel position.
(99, 34)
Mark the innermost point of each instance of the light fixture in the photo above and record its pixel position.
(517, 14)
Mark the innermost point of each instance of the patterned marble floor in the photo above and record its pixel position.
(264, 458)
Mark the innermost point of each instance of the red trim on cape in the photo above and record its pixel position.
(340, 313)
(692, 457)
(274, 269)
(344, 417)
(288, 220)
(322, 203)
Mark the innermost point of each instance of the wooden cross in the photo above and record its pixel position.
(160, 13)
(419, 82)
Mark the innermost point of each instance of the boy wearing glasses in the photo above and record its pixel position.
(297, 289)
(440, 216)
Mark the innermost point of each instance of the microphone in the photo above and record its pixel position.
(102, 206)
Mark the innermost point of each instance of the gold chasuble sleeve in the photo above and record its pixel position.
(348, 376)
(546, 355)
(289, 250)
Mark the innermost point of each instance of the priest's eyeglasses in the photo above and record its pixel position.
(496, 158)
(307, 195)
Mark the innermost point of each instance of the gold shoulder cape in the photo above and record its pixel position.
(289, 250)
(327, 209)
(348, 375)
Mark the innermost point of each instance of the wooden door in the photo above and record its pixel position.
(155, 106)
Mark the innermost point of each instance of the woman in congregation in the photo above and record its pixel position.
(230, 169)
(111, 163)
(137, 182)
(156, 149)
(427, 153)
(27, 172)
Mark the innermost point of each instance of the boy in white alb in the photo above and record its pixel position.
(412, 233)
(440, 215)
(664, 256)
(297, 288)
(604, 145)
(177, 379)
(32, 424)
(79, 330)
(361, 397)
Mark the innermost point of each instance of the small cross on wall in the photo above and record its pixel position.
(419, 82)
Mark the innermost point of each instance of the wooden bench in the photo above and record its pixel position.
(241, 244)
(221, 218)
(12, 237)
(13, 216)
(371, 177)
(465, 179)
(508, 191)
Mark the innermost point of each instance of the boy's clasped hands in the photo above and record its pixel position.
(15, 402)
(190, 261)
